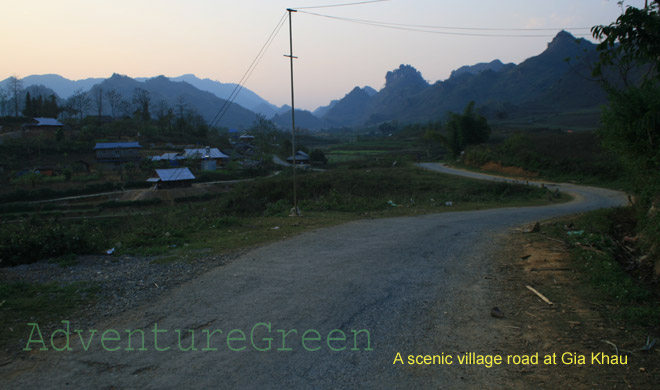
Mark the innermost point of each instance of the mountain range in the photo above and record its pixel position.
(553, 80)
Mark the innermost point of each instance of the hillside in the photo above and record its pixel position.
(162, 89)
(245, 97)
(546, 82)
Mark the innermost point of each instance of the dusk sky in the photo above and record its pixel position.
(219, 39)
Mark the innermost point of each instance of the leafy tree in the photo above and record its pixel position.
(50, 108)
(631, 121)
(28, 110)
(633, 40)
(466, 129)
(317, 156)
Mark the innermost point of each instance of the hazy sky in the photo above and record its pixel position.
(219, 39)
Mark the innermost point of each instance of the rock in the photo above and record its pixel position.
(496, 312)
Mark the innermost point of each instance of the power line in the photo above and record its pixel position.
(342, 5)
(425, 29)
(237, 89)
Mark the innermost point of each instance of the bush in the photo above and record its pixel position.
(30, 241)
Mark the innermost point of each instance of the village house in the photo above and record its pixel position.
(114, 154)
(211, 157)
(43, 127)
(302, 158)
(246, 138)
(172, 178)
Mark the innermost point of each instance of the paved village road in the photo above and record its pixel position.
(416, 284)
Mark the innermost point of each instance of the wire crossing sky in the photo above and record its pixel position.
(353, 43)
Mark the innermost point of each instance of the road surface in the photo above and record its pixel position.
(416, 285)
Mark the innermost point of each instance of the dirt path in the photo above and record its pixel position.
(418, 285)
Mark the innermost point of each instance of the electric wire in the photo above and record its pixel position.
(341, 5)
(425, 29)
(239, 86)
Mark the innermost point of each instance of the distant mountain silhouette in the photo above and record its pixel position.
(245, 97)
(351, 108)
(62, 86)
(163, 89)
(206, 104)
(304, 120)
(495, 66)
(546, 81)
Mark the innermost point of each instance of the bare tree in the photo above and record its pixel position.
(163, 114)
(79, 103)
(15, 90)
(124, 107)
(141, 101)
(114, 98)
(98, 99)
(4, 102)
(181, 106)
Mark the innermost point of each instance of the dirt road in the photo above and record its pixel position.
(415, 285)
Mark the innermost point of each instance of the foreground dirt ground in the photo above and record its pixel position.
(572, 324)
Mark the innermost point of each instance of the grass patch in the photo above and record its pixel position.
(22, 302)
(553, 155)
(257, 211)
(604, 262)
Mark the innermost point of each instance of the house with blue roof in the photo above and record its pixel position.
(114, 154)
(172, 178)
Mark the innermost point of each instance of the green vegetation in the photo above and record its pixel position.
(36, 239)
(552, 155)
(461, 130)
(22, 302)
(612, 264)
(375, 187)
(631, 121)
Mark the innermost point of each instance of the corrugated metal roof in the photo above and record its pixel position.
(172, 156)
(175, 174)
(300, 155)
(48, 122)
(201, 153)
(117, 145)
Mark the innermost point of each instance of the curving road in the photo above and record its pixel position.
(416, 284)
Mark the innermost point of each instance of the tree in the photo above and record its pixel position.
(28, 110)
(79, 103)
(50, 108)
(317, 156)
(4, 102)
(466, 129)
(114, 99)
(15, 87)
(633, 40)
(124, 108)
(631, 121)
(262, 128)
(98, 99)
(164, 115)
(141, 101)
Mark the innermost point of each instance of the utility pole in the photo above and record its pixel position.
(296, 211)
